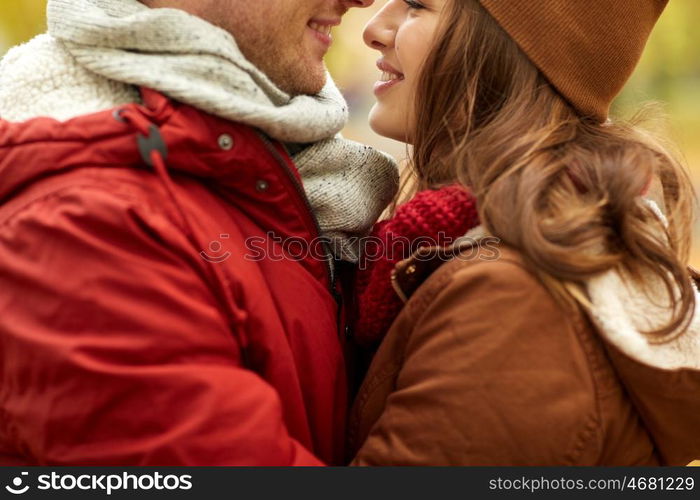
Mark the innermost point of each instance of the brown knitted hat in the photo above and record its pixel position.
(587, 49)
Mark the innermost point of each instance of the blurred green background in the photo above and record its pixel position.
(669, 73)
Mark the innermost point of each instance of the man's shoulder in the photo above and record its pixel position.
(92, 193)
(41, 78)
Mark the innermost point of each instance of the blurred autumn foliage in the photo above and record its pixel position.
(20, 20)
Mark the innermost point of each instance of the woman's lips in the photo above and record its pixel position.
(381, 87)
(390, 77)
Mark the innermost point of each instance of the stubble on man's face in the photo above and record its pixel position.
(274, 36)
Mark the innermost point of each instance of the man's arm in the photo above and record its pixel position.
(114, 350)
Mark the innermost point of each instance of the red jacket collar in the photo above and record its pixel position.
(198, 144)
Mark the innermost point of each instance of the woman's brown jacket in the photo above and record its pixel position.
(484, 367)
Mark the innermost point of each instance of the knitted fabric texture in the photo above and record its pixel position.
(586, 49)
(99, 51)
(431, 218)
(192, 61)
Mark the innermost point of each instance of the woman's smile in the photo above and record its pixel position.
(402, 31)
(388, 79)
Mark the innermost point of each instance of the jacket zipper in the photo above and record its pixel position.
(312, 216)
(332, 287)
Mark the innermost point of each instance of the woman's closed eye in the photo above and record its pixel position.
(412, 4)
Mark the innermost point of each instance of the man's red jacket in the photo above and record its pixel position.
(141, 320)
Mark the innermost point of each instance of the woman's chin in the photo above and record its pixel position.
(386, 125)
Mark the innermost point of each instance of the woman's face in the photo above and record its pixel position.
(403, 32)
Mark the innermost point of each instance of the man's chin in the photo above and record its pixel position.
(305, 82)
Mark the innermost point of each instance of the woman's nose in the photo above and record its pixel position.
(379, 32)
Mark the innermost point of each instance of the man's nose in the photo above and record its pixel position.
(349, 4)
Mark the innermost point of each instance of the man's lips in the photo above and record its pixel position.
(321, 29)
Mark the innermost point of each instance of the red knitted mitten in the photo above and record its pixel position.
(433, 217)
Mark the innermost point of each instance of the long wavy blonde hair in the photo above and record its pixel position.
(562, 189)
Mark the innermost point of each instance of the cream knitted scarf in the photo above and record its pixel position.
(121, 44)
